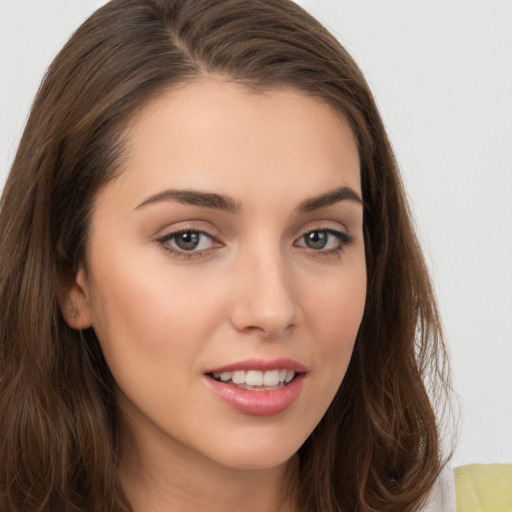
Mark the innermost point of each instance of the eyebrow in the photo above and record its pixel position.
(328, 199)
(226, 203)
(195, 198)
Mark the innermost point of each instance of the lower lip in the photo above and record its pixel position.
(258, 403)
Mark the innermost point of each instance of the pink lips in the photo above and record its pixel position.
(259, 403)
(261, 365)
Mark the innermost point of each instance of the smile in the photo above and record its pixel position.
(258, 387)
(255, 380)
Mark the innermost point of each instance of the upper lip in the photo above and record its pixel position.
(263, 365)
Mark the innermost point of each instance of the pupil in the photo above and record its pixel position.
(187, 241)
(316, 239)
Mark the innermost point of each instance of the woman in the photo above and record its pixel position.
(213, 295)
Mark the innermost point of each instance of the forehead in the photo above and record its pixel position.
(213, 133)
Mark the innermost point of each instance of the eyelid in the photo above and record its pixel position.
(164, 242)
(347, 238)
(332, 226)
(344, 237)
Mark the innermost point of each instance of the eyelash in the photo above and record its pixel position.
(165, 240)
(344, 240)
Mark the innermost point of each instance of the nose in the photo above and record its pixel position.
(264, 301)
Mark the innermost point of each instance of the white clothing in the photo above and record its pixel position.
(442, 497)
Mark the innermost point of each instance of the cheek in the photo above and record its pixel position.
(145, 315)
(151, 329)
(334, 315)
(337, 305)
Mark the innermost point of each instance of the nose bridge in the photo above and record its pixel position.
(265, 299)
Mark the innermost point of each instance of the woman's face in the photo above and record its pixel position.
(227, 259)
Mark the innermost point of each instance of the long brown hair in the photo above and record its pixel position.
(377, 448)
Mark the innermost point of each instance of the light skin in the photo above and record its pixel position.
(267, 186)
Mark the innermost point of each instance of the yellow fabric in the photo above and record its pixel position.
(484, 488)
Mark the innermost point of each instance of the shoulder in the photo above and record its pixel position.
(484, 488)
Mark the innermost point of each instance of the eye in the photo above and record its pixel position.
(318, 239)
(191, 240)
(325, 240)
(187, 242)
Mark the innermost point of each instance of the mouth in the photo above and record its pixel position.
(255, 380)
(257, 387)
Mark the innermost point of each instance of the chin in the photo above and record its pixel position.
(258, 452)
(255, 462)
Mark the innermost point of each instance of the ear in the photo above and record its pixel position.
(74, 300)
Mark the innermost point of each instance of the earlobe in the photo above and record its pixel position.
(74, 300)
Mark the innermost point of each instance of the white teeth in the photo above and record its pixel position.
(238, 377)
(256, 377)
(271, 378)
